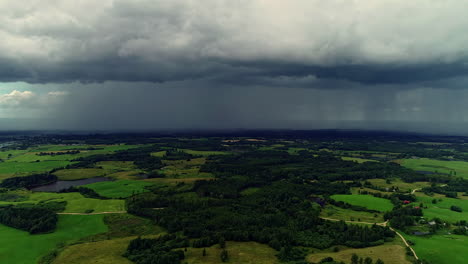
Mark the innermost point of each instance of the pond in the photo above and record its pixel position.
(62, 185)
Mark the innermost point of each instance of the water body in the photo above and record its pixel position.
(62, 185)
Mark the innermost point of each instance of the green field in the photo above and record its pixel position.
(119, 189)
(441, 249)
(335, 212)
(440, 166)
(10, 168)
(184, 169)
(76, 203)
(205, 152)
(389, 253)
(19, 247)
(368, 201)
(442, 208)
(358, 160)
(403, 186)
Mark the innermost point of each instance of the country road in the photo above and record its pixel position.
(380, 224)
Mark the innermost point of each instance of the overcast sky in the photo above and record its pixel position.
(161, 64)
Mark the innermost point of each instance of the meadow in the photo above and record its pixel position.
(440, 249)
(10, 168)
(184, 168)
(19, 247)
(389, 253)
(358, 160)
(460, 168)
(76, 203)
(119, 188)
(78, 174)
(338, 213)
(368, 201)
(442, 208)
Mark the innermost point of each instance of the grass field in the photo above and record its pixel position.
(205, 153)
(10, 169)
(403, 186)
(390, 254)
(239, 252)
(101, 252)
(185, 169)
(19, 247)
(441, 249)
(358, 160)
(76, 203)
(78, 174)
(440, 166)
(442, 208)
(368, 201)
(116, 165)
(334, 212)
(119, 189)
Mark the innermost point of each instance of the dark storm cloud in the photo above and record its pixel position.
(233, 42)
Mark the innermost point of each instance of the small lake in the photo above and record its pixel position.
(62, 185)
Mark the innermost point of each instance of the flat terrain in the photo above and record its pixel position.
(368, 201)
(441, 249)
(78, 174)
(440, 166)
(334, 212)
(239, 252)
(442, 208)
(390, 254)
(19, 247)
(118, 189)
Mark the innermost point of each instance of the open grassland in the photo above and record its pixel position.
(368, 201)
(101, 252)
(118, 189)
(441, 249)
(78, 174)
(205, 152)
(184, 168)
(442, 208)
(239, 252)
(335, 212)
(358, 160)
(19, 247)
(249, 191)
(403, 186)
(76, 203)
(439, 166)
(10, 169)
(389, 253)
(116, 165)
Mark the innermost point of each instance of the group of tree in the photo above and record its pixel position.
(31, 219)
(28, 181)
(69, 152)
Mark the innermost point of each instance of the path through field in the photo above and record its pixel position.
(380, 224)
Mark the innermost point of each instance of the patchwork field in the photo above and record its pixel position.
(13, 242)
(460, 168)
(368, 201)
(390, 254)
(441, 249)
(118, 189)
(185, 169)
(358, 160)
(403, 186)
(10, 168)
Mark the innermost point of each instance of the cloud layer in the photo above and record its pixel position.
(146, 40)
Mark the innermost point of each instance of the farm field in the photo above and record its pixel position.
(119, 188)
(442, 208)
(184, 168)
(358, 160)
(441, 249)
(10, 169)
(19, 247)
(389, 253)
(403, 186)
(440, 166)
(368, 201)
(335, 212)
